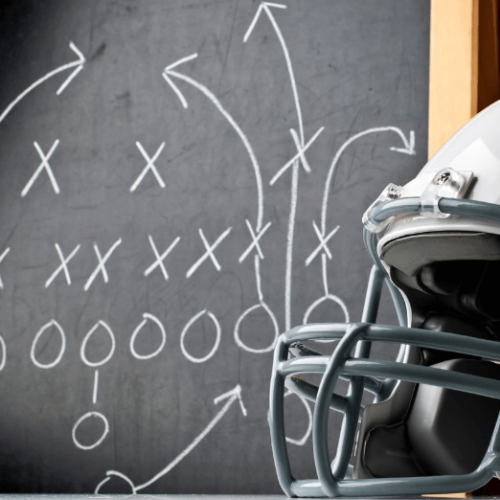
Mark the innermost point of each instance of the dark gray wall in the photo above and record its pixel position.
(358, 65)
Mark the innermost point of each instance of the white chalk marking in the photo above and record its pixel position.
(44, 165)
(79, 63)
(96, 385)
(266, 7)
(301, 150)
(160, 258)
(87, 338)
(322, 243)
(150, 166)
(316, 303)
(229, 118)
(302, 441)
(5, 252)
(217, 339)
(82, 419)
(37, 338)
(63, 266)
(100, 266)
(324, 273)
(262, 305)
(209, 252)
(181, 61)
(255, 241)
(409, 149)
(147, 316)
(110, 473)
(4, 354)
(232, 396)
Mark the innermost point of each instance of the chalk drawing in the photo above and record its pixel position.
(100, 266)
(255, 307)
(322, 243)
(255, 241)
(38, 336)
(90, 414)
(79, 63)
(63, 266)
(44, 165)
(258, 178)
(87, 338)
(96, 385)
(232, 396)
(4, 253)
(154, 319)
(149, 166)
(160, 258)
(409, 149)
(217, 336)
(209, 253)
(303, 440)
(4, 354)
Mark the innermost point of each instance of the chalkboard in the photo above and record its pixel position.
(181, 181)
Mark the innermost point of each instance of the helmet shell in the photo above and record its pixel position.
(475, 147)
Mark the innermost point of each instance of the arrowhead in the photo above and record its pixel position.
(233, 394)
(263, 5)
(74, 48)
(409, 148)
(168, 71)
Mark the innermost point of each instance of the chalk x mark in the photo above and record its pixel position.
(105, 432)
(255, 241)
(63, 266)
(218, 334)
(260, 305)
(322, 243)
(409, 149)
(80, 62)
(100, 266)
(44, 165)
(209, 253)
(5, 252)
(154, 319)
(149, 166)
(96, 385)
(232, 396)
(160, 258)
(258, 178)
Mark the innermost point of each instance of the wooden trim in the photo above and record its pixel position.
(464, 74)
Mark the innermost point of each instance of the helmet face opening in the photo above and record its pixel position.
(433, 424)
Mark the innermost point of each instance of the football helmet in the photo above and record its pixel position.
(433, 424)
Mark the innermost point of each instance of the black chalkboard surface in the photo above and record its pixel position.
(180, 181)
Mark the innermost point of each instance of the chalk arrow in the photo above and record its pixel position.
(168, 72)
(79, 63)
(231, 396)
(408, 149)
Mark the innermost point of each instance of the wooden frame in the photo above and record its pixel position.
(464, 75)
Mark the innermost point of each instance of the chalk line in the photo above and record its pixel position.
(229, 118)
(87, 338)
(218, 334)
(409, 148)
(96, 384)
(160, 258)
(63, 266)
(154, 319)
(4, 354)
(209, 252)
(37, 338)
(44, 165)
(79, 62)
(90, 414)
(100, 266)
(5, 252)
(303, 440)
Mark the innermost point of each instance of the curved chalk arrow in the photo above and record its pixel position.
(258, 178)
(232, 396)
(408, 149)
(79, 63)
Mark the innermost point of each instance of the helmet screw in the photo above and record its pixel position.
(442, 178)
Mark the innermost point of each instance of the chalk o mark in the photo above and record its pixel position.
(316, 303)
(110, 473)
(37, 338)
(4, 354)
(147, 316)
(87, 338)
(302, 441)
(237, 338)
(82, 419)
(217, 340)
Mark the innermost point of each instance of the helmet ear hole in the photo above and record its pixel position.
(441, 278)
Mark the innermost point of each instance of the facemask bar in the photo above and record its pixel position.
(359, 370)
